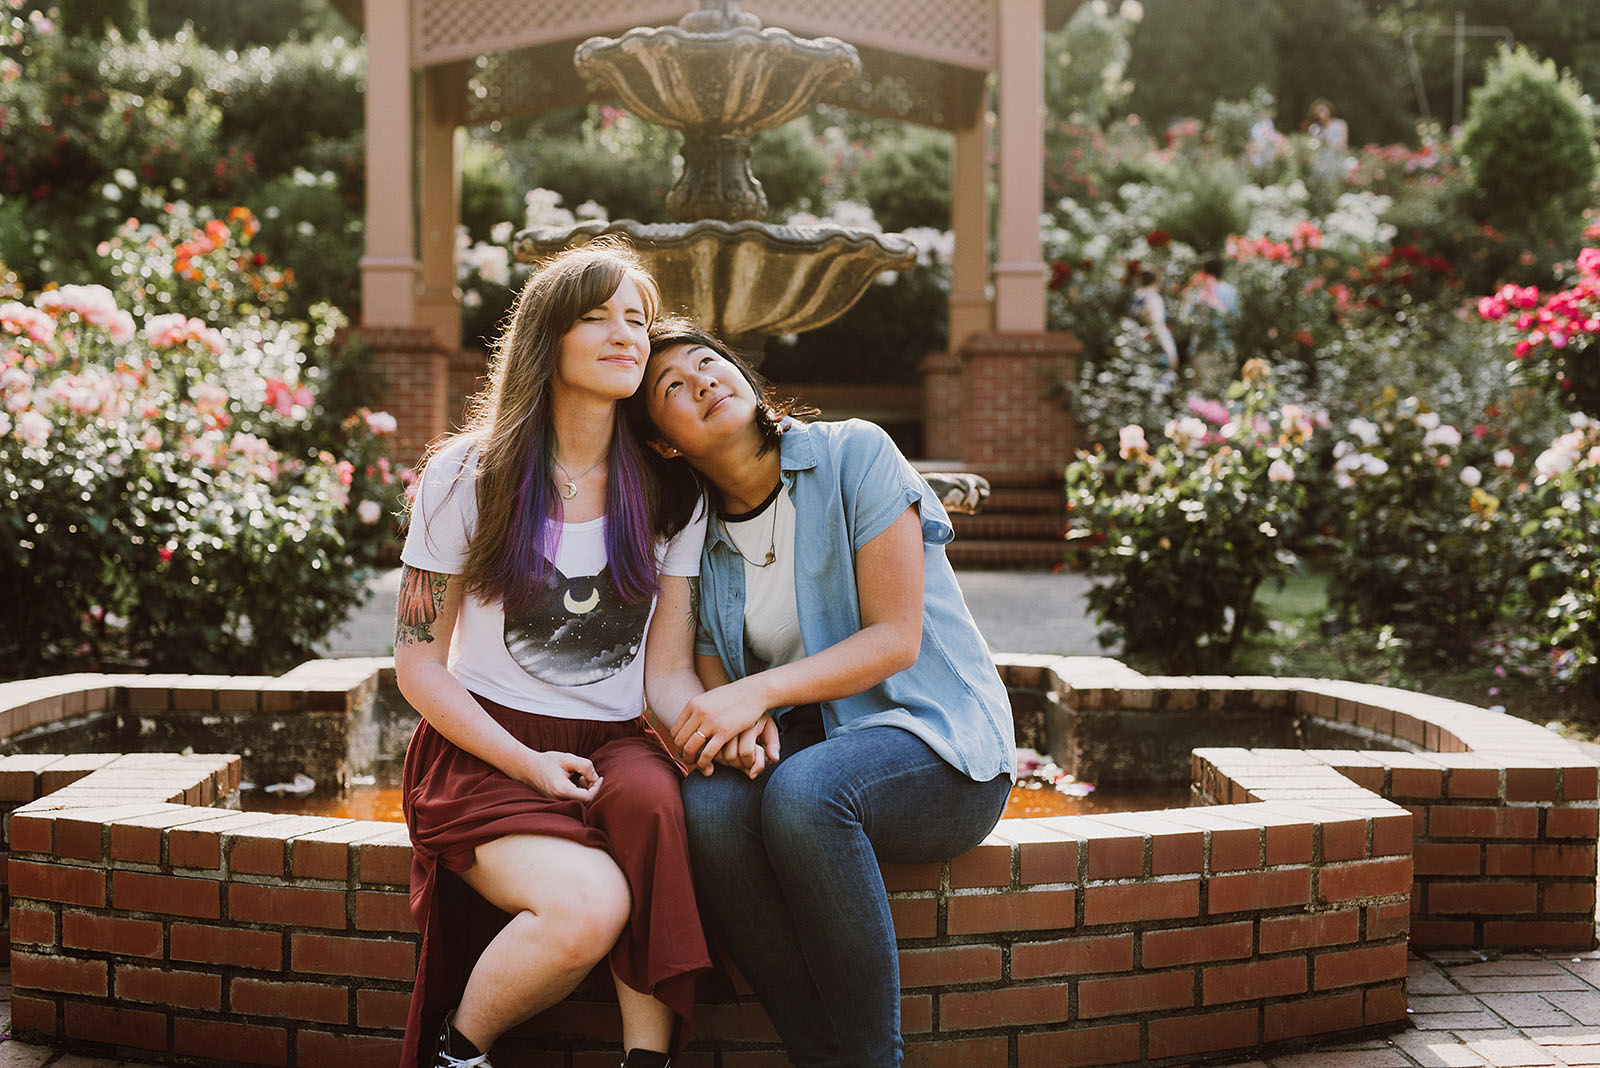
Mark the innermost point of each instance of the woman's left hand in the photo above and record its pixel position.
(716, 718)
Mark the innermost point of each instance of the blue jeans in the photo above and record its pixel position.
(786, 871)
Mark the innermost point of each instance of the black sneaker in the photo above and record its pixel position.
(443, 1058)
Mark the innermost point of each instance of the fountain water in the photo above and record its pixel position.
(720, 78)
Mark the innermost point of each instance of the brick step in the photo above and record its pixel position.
(991, 525)
(992, 554)
(1006, 500)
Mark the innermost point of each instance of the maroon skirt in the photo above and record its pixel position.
(454, 801)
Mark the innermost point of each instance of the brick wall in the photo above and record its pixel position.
(144, 920)
(1014, 415)
(416, 385)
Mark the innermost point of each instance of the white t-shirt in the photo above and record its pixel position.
(771, 618)
(577, 653)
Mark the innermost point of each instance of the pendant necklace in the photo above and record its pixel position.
(772, 537)
(569, 488)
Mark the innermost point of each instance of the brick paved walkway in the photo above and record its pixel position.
(1518, 1011)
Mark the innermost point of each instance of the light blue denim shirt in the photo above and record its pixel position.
(848, 482)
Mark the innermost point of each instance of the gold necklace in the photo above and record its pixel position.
(772, 536)
(569, 488)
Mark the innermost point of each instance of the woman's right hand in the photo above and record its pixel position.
(753, 750)
(552, 774)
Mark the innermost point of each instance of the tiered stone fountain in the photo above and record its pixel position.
(721, 78)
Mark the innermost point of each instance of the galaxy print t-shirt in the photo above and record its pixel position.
(578, 653)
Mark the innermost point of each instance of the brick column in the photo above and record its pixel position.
(414, 371)
(1015, 422)
(941, 406)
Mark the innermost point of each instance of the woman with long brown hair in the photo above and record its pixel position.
(547, 585)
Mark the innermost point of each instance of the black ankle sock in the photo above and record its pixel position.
(456, 1044)
(646, 1058)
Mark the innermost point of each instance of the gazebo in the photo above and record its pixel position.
(435, 66)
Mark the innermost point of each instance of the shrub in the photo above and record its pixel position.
(1558, 338)
(179, 496)
(1424, 545)
(1186, 533)
(1528, 138)
(1563, 532)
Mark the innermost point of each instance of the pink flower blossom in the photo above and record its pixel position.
(1589, 262)
(382, 423)
(1280, 471)
(21, 319)
(1131, 442)
(369, 512)
(32, 428)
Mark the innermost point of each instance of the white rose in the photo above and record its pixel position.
(369, 512)
(1471, 476)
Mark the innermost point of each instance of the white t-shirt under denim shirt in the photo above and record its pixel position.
(578, 653)
(771, 619)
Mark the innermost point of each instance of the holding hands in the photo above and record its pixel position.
(728, 725)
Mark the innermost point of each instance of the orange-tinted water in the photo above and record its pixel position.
(378, 803)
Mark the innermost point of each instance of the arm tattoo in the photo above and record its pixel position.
(421, 600)
(694, 602)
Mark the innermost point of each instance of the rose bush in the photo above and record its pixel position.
(1186, 531)
(179, 494)
(1561, 530)
(1557, 337)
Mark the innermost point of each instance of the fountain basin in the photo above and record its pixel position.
(745, 279)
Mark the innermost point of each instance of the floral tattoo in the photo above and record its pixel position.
(421, 600)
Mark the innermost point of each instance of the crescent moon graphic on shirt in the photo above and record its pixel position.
(583, 607)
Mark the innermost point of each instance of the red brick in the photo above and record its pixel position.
(1283, 933)
(216, 1040)
(1135, 993)
(1177, 852)
(1470, 821)
(1531, 784)
(1386, 921)
(55, 882)
(1190, 945)
(384, 862)
(1072, 956)
(1078, 1047)
(314, 859)
(1016, 910)
(348, 1051)
(256, 855)
(80, 839)
(378, 910)
(1235, 850)
(1562, 859)
(1222, 983)
(1117, 855)
(1580, 784)
(111, 934)
(295, 906)
(1442, 933)
(382, 1008)
(1343, 839)
(745, 1021)
(132, 1027)
(1482, 899)
(1392, 835)
(60, 975)
(1568, 897)
(1570, 822)
(916, 1014)
(35, 1014)
(366, 957)
(911, 876)
(1349, 967)
(33, 926)
(135, 843)
(1259, 890)
(1503, 859)
(987, 864)
(1364, 878)
(949, 965)
(1141, 901)
(1311, 1016)
(290, 1001)
(949, 1053)
(914, 917)
(220, 945)
(1416, 782)
(1186, 1035)
(1447, 858)
(189, 990)
(1539, 934)
(1385, 1004)
(32, 834)
(1003, 1007)
(199, 898)
(1473, 783)
(194, 847)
